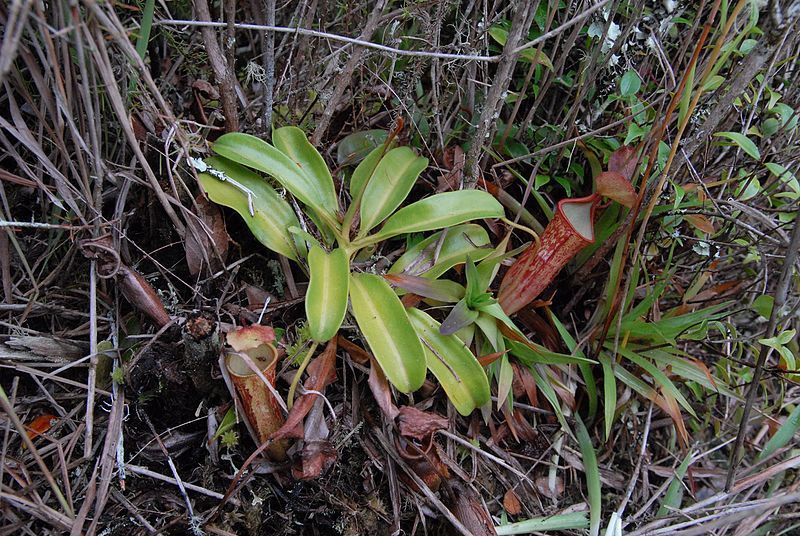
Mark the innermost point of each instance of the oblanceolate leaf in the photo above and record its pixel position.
(391, 181)
(743, 142)
(326, 298)
(383, 321)
(363, 174)
(292, 142)
(438, 211)
(271, 215)
(356, 146)
(453, 364)
(256, 153)
(435, 255)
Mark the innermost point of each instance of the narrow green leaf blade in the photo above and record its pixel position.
(271, 216)
(592, 475)
(782, 437)
(609, 393)
(569, 521)
(256, 153)
(453, 364)
(391, 182)
(674, 495)
(531, 353)
(326, 298)
(389, 333)
(440, 210)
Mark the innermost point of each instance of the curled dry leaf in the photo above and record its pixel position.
(207, 242)
(624, 161)
(418, 424)
(543, 486)
(614, 185)
(511, 503)
(422, 454)
(469, 510)
(133, 285)
(425, 461)
(142, 295)
(321, 372)
(454, 158)
(316, 458)
(379, 386)
(700, 222)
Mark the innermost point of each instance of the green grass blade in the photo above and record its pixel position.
(592, 475)
(782, 437)
(674, 495)
(609, 393)
(571, 521)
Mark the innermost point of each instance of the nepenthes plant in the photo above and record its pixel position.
(405, 342)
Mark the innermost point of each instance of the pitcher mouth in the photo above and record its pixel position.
(237, 366)
(579, 215)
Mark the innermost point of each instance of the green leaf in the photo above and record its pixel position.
(674, 495)
(460, 317)
(529, 55)
(743, 142)
(659, 378)
(436, 254)
(442, 290)
(630, 83)
(453, 364)
(585, 368)
(253, 152)
(440, 210)
(531, 353)
(326, 297)
(544, 385)
(763, 305)
(609, 393)
(271, 215)
(782, 437)
(491, 331)
(363, 174)
(385, 324)
(292, 142)
(505, 378)
(356, 146)
(228, 422)
(569, 521)
(592, 475)
(393, 178)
